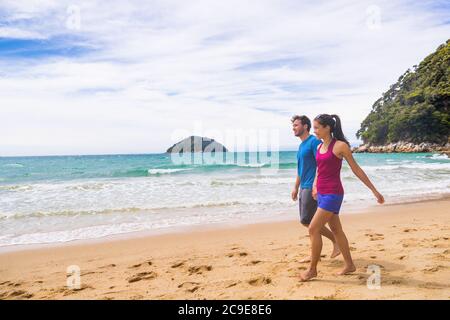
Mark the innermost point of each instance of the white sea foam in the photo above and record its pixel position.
(435, 156)
(252, 165)
(165, 171)
(13, 165)
(52, 211)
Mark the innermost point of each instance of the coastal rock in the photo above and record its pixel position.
(404, 147)
(197, 144)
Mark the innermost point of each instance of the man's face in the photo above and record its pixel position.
(298, 128)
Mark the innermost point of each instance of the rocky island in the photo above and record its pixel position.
(413, 115)
(197, 144)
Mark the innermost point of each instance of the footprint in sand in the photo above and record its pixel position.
(17, 294)
(330, 297)
(375, 236)
(433, 269)
(11, 284)
(68, 291)
(146, 263)
(440, 257)
(87, 273)
(142, 276)
(409, 230)
(190, 286)
(178, 264)
(199, 269)
(239, 254)
(253, 262)
(412, 242)
(259, 281)
(232, 284)
(393, 281)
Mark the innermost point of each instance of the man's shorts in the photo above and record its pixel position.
(307, 205)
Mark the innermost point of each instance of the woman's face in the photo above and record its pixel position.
(320, 131)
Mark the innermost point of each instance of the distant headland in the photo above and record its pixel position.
(197, 144)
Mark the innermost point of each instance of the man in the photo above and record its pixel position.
(306, 171)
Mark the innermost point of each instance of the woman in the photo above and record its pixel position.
(328, 190)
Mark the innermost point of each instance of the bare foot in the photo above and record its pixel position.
(308, 275)
(347, 269)
(335, 252)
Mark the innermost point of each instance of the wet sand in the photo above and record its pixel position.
(407, 243)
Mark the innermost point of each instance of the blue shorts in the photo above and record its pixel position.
(330, 202)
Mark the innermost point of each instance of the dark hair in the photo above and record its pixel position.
(304, 120)
(334, 122)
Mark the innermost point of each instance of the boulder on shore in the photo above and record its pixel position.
(405, 147)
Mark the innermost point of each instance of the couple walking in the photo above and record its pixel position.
(319, 189)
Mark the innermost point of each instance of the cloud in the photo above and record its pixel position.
(130, 73)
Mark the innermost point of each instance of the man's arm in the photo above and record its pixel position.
(314, 188)
(294, 194)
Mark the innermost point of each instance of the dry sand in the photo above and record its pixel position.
(409, 243)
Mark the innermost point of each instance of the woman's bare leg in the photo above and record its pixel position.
(329, 235)
(321, 217)
(341, 239)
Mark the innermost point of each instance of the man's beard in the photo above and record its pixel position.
(300, 133)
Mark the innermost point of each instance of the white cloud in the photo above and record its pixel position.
(152, 68)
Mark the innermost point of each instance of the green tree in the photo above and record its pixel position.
(416, 107)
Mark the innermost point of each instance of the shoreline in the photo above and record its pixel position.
(287, 215)
(409, 243)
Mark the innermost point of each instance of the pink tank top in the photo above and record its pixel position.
(329, 171)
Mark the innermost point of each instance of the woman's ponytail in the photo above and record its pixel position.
(334, 122)
(337, 129)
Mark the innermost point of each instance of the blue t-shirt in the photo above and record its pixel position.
(306, 161)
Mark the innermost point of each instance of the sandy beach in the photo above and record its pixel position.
(408, 242)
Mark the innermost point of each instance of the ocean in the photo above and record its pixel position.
(63, 198)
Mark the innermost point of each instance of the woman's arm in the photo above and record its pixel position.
(345, 151)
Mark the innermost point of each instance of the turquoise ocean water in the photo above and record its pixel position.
(63, 198)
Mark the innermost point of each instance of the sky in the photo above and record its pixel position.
(97, 77)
